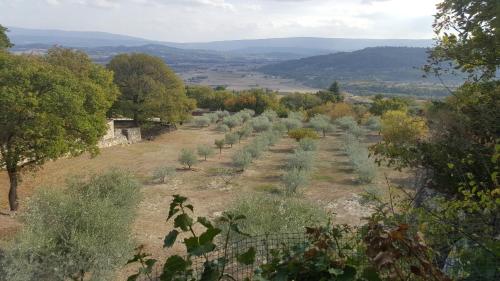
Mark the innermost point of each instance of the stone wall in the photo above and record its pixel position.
(116, 136)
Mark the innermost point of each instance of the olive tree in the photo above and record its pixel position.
(220, 145)
(50, 106)
(321, 124)
(242, 159)
(205, 151)
(188, 158)
(231, 139)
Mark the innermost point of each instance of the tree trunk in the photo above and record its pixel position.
(14, 178)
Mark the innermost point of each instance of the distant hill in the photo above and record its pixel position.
(371, 70)
(277, 48)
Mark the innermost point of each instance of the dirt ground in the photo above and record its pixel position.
(333, 185)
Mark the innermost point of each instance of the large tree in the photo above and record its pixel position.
(149, 89)
(50, 106)
(4, 40)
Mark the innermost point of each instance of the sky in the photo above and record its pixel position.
(211, 20)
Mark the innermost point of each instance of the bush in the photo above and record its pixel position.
(321, 123)
(267, 213)
(213, 117)
(255, 149)
(205, 151)
(295, 178)
(302, 133)
(163, 174)
(291, 123)
(271, 115)
(79, 233)
(227, 175)
(202, 121)
(242, 159)
(346, 122)
(279, 128)
(356, 131)
(223, 128)
(232, 121)
(359, 158)
(297, 115)
(244, 116)
(244, 132)
(373, 123)
(231, 138)
(220, 144)
(301, 160)
(261, 123)
(222, 114)
(308, 144)
(188, 158)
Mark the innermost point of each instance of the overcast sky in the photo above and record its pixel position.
(209, 20)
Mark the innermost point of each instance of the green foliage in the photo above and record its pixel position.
(208, 98)
(301, 160)
(297, 115)
(291, 123)
(346, 122)
(213, 117)
(163, 174)
(242, 159)
(202, 121)
(149, 89)
(321, 123)
(80, 233)
(4, 39)
(294, 178)
(227, 175)
(40, 123)
(244, 132)
(231, 138)
(205, 151)
(257, 100)
(261, 124)
(268, 213)
(222, 114)
(360, 159)
(220, 144)
(223, 128)
(197, 245)
(187, 158)
(373, 123)
(381, 105)
(303, 133)
(332, 94)
(232, 121)
(308, 144)
(300, 101)
(271, 115)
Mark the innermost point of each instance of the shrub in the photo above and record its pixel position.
(250, 112)
(356, 131)
(223, 128)
(373, 123)
(308, 144)
(359, 158)
(187, 158)
(242, 159)
(222, 114)
(213, 117)
(255, 149)
(346, 122)
(205, 151)
(202, 121)
(277, 214)
(244, 132)
(321, 123)
(80, 233)
(231, 138)
(279, 128)
(163, 174)
(295, 178)
(302, 133)
(220, 144)
(261, 124)
(297, 115)
(232, 121)
(271, 115)
(301, 160)
(244, 116)
(227, 175)
(291, 123)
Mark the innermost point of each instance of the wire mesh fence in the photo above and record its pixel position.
(456, 268)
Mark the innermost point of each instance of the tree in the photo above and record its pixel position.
(48, 109)
(205, 151)
(399, 128)
(149, 89)
(332, 94)
(381, 105)
(321, 123)
(187, 158)
(467, 34)
(242, 159)
(232, 121)
(220, 145)
(302, 133)
(231, 138)
(4, 39)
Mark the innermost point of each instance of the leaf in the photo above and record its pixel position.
(210, 272)
(335, 271)
(190, 207)
(173, 265)
(248, 257)
(205, 222)
(170, 239)
(183, 221)
(348, 275)
(133, 277)
(371, 274)
(149, 263)
(235, 228)
(209, 235)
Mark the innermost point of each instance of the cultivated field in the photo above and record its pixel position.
(333, 185)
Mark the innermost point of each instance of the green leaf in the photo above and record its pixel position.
(133, 277)
(149, 263)
(193, 246)
(234, 227)
(170, 239)
(371, 274)
(205, 222)
(183, 221)
(209, 235)
(173, 265)
(348, 275)
(190, 207)
(335, 271)
(248, 257)
(210, 272)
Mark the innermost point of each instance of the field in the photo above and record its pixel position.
(333, 185)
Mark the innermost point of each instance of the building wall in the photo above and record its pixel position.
(116, 136)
